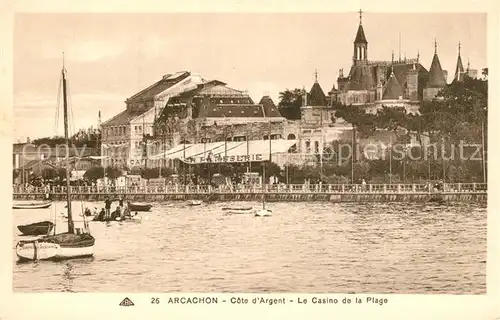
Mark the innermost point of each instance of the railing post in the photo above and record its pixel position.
(474, 187)
(385, 188)
(459, 187)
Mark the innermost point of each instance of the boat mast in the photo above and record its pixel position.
(71, 227)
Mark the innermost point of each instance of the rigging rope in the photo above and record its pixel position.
(70, 107)
(58, 105)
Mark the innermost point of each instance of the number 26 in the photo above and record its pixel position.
(155, 300)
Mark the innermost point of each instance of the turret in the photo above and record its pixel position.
(437, 79)
(360, 54)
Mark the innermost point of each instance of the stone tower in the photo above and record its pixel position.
(360, 54)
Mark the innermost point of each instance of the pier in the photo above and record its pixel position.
(467, 192)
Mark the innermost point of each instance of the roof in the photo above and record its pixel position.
(459, 70)
(316, 96)
(270, 109)
(436, 74)
(257, 150)
(166, 82)
(221, 90)
(362, 77)
(393, 89)
(360, 35)
(232, 110)
(124, 117)
(401, 71)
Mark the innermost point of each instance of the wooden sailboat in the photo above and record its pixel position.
(76, 242)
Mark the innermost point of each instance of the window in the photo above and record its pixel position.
(316, 147)
(308, 146)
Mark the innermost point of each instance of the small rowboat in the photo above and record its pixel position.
(138, 206)
(37, 228)
(194, 202)
(238, 210)
(263, 213)
(42, 205)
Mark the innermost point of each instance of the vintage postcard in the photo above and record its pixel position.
(237, 159)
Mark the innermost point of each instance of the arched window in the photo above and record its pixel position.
(291, 136)
(316, 147)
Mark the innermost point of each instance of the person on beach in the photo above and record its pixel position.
(107, 205)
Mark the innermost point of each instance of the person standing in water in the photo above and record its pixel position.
(107, 205)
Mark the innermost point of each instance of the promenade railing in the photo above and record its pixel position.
(269, 188)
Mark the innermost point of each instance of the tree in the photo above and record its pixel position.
(150, 173)
(290, 102)
(485, 73)
(94, 173)
(51, 173)
(113, 173)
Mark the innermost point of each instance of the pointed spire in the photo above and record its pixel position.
(316, 75)
(459, 69)
(436, 74)
(435, 46)
(418, 56)
(393, 89)
(360, 35)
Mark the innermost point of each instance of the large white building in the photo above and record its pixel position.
(123, 135)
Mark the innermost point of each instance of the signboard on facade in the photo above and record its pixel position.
(137, 162)
(227, 159)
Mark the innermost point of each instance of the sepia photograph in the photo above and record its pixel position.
(337, 152)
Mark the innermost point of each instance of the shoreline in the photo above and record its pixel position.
(273, 197)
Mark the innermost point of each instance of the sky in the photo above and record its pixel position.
(111, 56)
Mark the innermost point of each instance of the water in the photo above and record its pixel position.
(302, 247)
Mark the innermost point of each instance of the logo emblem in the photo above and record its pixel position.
(126, 303)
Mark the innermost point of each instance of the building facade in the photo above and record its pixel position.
(397, 83)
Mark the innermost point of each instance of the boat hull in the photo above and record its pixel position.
(32, 205)
(194, 202)
(48, 248)
(238, 210)
(36, 229)
(139, 207)
(262, 213)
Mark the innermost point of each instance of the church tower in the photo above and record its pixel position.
(360, 44)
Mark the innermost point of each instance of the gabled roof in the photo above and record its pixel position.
(316, 96)
(166, 82)
(270, 109)
(436, 75)
(393, 89)
(360, 35)
(459, 70)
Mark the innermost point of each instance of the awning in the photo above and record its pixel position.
(231, 151)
